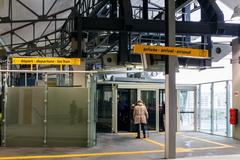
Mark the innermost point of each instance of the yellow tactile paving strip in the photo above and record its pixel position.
(80, 155)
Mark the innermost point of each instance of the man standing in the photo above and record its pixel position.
(140, 116)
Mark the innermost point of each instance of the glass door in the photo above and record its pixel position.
(104, 108)
(150, 100)
(186, 107)
(126, 99)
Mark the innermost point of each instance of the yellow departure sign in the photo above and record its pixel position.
(171, 51)
(46, 61)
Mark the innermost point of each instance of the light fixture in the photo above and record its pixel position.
(236, 13)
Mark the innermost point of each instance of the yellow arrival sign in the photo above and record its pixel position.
(171, 51)
(47, 61)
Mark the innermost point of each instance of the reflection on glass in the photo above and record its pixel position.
(220, 108)
(205, 109)
(25, 115)
(149, 98)
(67, 117)
(104, 108)
(186, 106)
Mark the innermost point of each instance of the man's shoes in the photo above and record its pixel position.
(138, 137)
(144, 137)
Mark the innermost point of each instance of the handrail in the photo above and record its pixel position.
(64, 72)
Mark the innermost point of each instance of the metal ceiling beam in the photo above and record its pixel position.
(182, 3)
(211, 11)
(152, 26)
(145, 9)
(125, 13)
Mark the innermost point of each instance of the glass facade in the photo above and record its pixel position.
(215, 100)
(66, 116)
(187, 110)
(205, 108)
(219, 109)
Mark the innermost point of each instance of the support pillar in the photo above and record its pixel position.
(113, 9)
(186, 16)
(79, 79)
(145, 9)
(236, 83)
(171, 97)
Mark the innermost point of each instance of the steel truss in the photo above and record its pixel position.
(106, 23)
(53, 41)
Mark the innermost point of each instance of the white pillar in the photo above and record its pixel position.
(79, 79)
(236, 83)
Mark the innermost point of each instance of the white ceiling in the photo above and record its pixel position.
(231, 3)
(21, 13)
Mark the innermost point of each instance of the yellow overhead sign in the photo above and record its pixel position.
(47, 61)
(171, 51)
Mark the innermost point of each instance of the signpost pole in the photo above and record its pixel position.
(170, 83)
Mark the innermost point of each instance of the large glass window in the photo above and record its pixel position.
(214, 108)
(205, 108)
(186, 106)
(219, 109)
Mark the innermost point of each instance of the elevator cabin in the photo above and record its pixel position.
(116, 103)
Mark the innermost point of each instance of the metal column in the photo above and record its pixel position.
(186, 16)
(195, 110)
(92, 137)
(199, 109)
(113, 8)
(4, 129)
(145, 9)
(171, 97)
(212, 108)
(45, 108)
(228, 132)
(114, 108)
